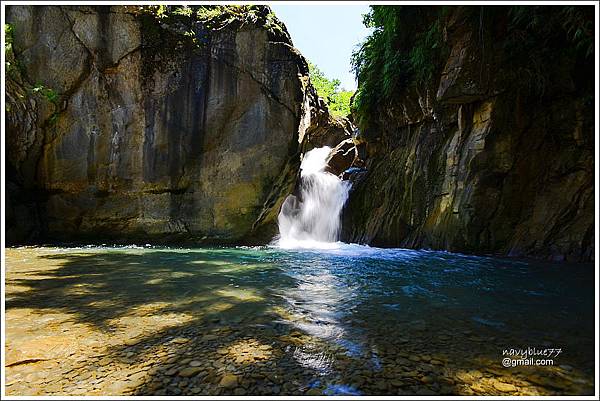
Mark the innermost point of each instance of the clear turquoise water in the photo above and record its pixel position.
(359, 307)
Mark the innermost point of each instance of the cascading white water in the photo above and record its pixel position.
(312, 220)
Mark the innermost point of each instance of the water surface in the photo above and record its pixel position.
(347, 320)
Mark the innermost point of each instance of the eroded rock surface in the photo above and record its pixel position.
(478, 159)
(168, 127)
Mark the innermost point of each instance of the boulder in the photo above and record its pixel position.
(341, 157)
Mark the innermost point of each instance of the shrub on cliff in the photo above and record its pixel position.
(397, 52)
(214, 17)
(407, 46)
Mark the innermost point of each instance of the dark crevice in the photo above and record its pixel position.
(173, 191)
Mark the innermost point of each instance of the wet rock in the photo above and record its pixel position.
(341, 157)
(189, 372)
(402, 361)
(381, 385)
(154, 385)
(465, 377)
(174, 390)
(475, 374)
(425, 391)
(454, 152)
(397, 383)
(228, 381)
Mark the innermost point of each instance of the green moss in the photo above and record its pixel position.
(171, 30)
(183, 10)
(48, 93)
(160, 21)
(214, 16)
(8, 37)
(10, 64)
(168, 32)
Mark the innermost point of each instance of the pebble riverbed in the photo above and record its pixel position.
(113, 321)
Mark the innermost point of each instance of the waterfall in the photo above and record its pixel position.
(311, 218)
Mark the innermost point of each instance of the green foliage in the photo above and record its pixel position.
(216, 17)
(544, 24)
(406, 47)
(51, 96)
(8, 50)
(210, 13)
(8, 35)
(337, 99)
(47, 93)
(340, 103)
(157, 11)
(324, 86)
(397, 52)
(198, 19)
(273, 24)
(428, 47)
(538, 37)
(14, 69)
(183, 10)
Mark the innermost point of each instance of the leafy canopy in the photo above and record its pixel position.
(407, 47)
(403, 48)
(337, 99)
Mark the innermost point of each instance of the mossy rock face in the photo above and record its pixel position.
(487, 156)
(168, 122)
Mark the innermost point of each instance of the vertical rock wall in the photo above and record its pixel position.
(150, 126)
(477, 159)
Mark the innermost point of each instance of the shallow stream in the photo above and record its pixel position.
(346, 320)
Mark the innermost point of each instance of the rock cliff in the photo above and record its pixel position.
(156, 122)
(493, 153)
(176, 123)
